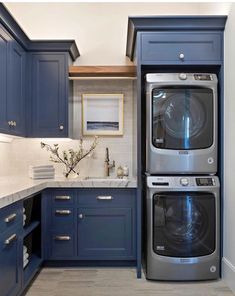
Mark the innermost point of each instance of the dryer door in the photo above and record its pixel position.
(182, 117)
(184, 224)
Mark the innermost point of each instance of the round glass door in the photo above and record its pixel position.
(184, 224)
(182, 118)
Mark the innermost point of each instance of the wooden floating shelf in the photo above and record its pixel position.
(102, 72)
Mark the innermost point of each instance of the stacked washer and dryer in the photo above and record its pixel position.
(182, 194)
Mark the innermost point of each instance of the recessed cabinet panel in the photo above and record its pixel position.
(9, 266)
(62, 245)
(5, 42)
(181, 47)
(17, 90)
(105, 234)
(49, 95)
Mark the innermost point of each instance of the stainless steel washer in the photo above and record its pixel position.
(182, 228)
(181, 123)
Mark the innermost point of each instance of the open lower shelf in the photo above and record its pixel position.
(30, 228)
(31, 269)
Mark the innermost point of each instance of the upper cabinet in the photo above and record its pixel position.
(17, 90)
(49, 74)
(182, 40)
(180, 48)
(5, 43)
(34, 82)
(12, 84)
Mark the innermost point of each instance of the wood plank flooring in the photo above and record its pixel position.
(116, 282)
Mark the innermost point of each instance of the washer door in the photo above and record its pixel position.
(184, 224)
(182, 118)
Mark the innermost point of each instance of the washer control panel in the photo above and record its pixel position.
(205, 182)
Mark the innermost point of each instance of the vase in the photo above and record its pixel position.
(70, 174)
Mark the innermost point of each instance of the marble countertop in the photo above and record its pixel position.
(13, 189)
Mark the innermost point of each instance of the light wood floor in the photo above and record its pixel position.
(116, 282)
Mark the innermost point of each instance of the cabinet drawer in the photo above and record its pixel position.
(62, 218)
(62, 245)
(10, 217)
(181, 47)
(106, 197)
(62, 198)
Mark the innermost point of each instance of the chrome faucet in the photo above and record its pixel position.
(107, 165)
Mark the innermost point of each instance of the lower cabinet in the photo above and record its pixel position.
(105, 233)
(10, 279)
(89, 224)
(20, 245)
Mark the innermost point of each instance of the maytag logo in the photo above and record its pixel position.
(183, 152)
(160, 248)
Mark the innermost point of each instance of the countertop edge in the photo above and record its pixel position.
(30, 189)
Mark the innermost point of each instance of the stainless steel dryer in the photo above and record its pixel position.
(181, 123)
(183, 228)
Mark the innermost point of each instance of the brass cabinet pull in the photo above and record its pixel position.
(10, 239)
(62, 212)
(62, 197)
(10, 218)
(62, 238)
(104, 197)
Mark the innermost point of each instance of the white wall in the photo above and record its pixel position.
(100, 29)
(229, 165)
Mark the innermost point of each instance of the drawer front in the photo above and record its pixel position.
(106, 197)
(111, 234)
(62, 218)
(9, 263)
(62, 245)
(10, 217)
(62, 197)
(181, 47)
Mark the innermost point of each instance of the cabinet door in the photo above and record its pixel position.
(106, 234)
(181, 47)
(49, 95)
(17, 94)
(5, 43)
(9, 264)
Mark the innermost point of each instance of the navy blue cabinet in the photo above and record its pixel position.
(89, 224)
(10, 281)
(181, 47)
(11, 219)
(5, 43)
(17, 91)
(49, 94)
(106, 233)
(12, 85)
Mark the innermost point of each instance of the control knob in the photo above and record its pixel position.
(182, 76)
(184, 181)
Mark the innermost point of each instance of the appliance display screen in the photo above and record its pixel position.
(204, 182)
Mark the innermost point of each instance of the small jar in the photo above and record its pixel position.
(125, 171)
(120, 172)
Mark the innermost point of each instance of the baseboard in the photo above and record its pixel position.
(228, 273)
